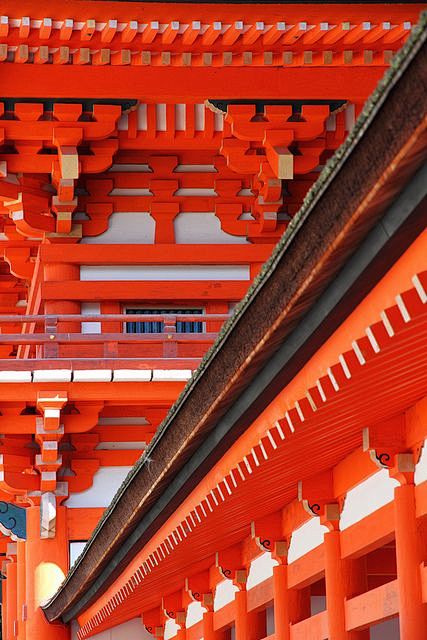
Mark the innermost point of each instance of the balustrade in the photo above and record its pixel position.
(48, 342)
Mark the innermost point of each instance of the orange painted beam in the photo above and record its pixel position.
(147, 11)
(351, 471)
(261, 595)
(125, 432)
(152, 393)
(369, 534)
(82, 521)
(155, 254)
(313, 628)
(130, 290)
(181, 84)
(373, 606)
(307, 569)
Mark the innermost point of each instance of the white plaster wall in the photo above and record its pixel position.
(261, 569)
(367, 497)
(195, 613)
(224, 594)
(421, 468)
(126, 227)
(131, 630)
(75, 549)
(171, 629)
(138, 227)
(106, 481)
(88, 309)
(306, 538)
(202, 228)
(161, 272)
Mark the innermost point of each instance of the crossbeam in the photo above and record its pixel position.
(191, 84)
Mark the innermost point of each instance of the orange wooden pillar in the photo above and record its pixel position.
(208, 626)
(46, 567)
(11, 613)
(335, 589)
(4, 601)
(61, 273)
(181, 619)
(343, 579)
(281, 602)
(241, 614)
(412, 611)
(20, 590)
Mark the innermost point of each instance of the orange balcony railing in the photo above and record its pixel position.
(49, 341)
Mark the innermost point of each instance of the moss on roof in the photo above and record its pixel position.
(398, 66)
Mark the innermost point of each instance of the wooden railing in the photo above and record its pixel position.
(43, 335)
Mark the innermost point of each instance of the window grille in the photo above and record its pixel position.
(158, 327)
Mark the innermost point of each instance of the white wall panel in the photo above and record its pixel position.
(131, 630)
(306, 538)
(88, 309)
(106, 481)
(421, 468)
(154, 273)
(367, 497)
(202, 228)
(261, 569)
(224, 594)
(126, 227)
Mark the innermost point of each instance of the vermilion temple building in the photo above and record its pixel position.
(213, 287)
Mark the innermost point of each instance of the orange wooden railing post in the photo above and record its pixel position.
(281, 602)
(21, 595)
(46, 567)
(11, 614)
(412, 611)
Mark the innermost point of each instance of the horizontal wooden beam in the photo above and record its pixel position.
(373, 606)
(196, 84)
(313, 628)
(156, 394)
(81, 522)
(129, 290)
(78, 364)
(368, 534)
(87, 254)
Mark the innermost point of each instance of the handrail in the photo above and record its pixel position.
(113, 317)
(101, 338)
(52, 334)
